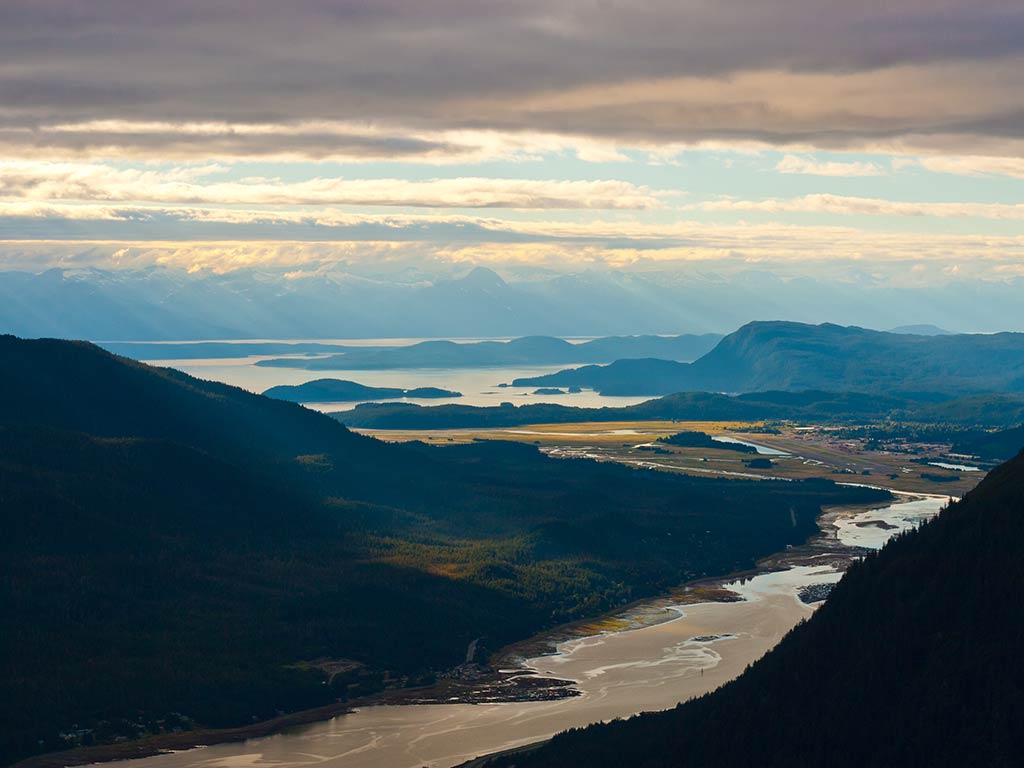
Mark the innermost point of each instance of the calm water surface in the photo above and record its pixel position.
(479, 386)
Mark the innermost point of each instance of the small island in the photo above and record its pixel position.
(701, 440)
(342, 391)
(549, 391)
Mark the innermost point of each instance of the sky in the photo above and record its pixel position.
(805, 137)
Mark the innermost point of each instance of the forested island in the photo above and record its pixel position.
(690, 439)
(342, 390)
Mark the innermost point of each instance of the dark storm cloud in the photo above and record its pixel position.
(169, 142)
(444, 64)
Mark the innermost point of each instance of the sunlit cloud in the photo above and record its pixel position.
(966, 165)
(966, 102)
(561, 246)
(294, 141)
(97, 182)
(537, 132)
(863, 206)
(810, 167)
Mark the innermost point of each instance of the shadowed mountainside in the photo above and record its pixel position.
(992, 445)
(912, 661)
(995, 410)
(177, 552)
(788, 356)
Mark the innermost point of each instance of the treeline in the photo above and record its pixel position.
(690, 439)
(995, 410)
(991, 445)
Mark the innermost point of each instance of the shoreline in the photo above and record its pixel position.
(822, 548)
(162, 743)
(502, 678)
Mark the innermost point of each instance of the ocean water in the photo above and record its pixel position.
(479, 386)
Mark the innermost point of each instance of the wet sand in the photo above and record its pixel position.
(619, 674)
(873, 527)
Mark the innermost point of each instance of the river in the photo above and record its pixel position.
(618, 673)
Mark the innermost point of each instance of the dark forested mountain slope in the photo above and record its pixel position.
(177, 546)
(143, 578)
(793, 356)
(992, 445)
(77, 386)
(684, 406)
(914, 660)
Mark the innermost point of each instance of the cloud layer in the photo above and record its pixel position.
(95, 182)
(864, 206)
(392, 76)
(215, 134)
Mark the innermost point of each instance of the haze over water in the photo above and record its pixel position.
(479, 386)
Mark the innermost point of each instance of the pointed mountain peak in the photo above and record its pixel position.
(482, 277)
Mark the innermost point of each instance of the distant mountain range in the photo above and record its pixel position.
(921, 330)
(912, 661)
(530, 350)
(533, 350)
(341, 390)
(764, 356)
(197, 350)
(166, 304)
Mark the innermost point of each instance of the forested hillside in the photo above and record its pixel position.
(992, 445)
(178, 546)
(912, 661)
(787, 356)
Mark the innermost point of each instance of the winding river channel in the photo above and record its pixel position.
(618, 673)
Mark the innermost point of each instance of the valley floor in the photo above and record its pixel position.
(796, 451)
(646, 656)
